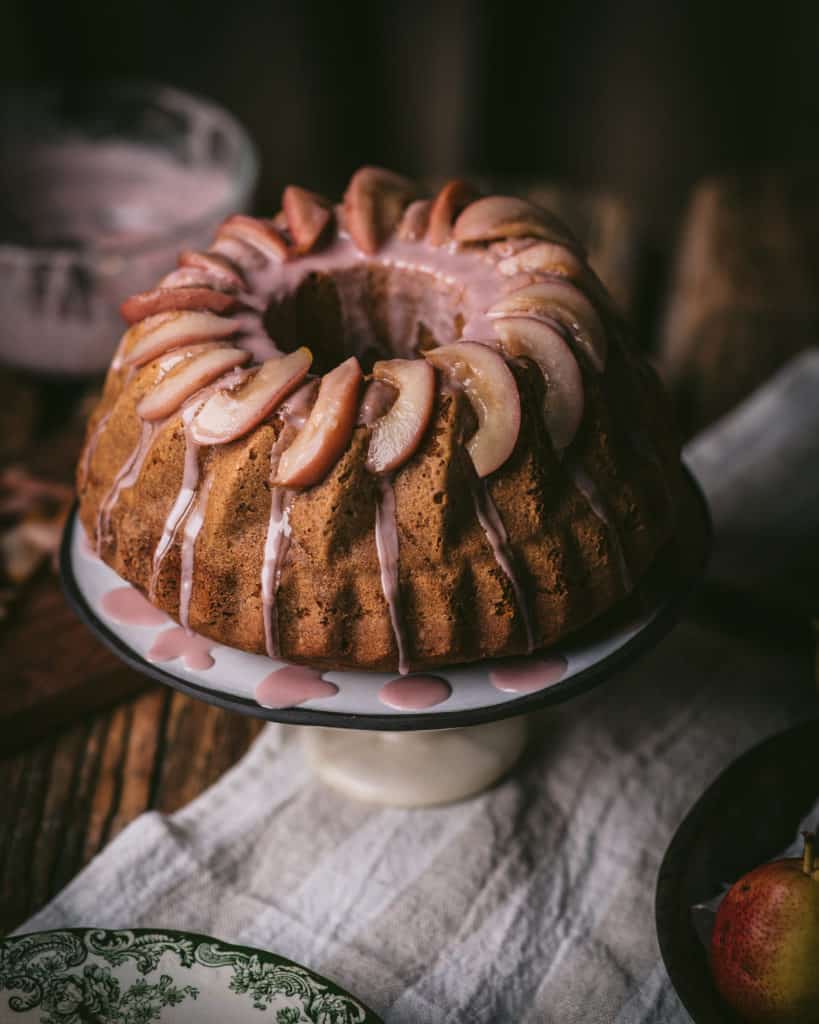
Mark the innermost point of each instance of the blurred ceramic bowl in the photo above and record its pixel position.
(101, 185)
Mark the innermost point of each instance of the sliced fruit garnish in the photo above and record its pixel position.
(164, 331)
(451, 200)
(195, 277)
(543, 258)
(219, 268)
(564, 400)
(185, 379)
(559, 302)
(395, 436)
(495, 217)
(490, 386)
(415, 221)
(228, 415)
(373, 205)
(325, 435)
(164, 300)
(308, 216)
(257, 233)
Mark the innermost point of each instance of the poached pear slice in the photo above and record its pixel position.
(496, 217)
(185, 379)
(162, 332)
(564, 400)
(373, 205)
(395, 436)
(229, 414)
(490, 386)
(559, 302)
(308, 216)
(323, 438)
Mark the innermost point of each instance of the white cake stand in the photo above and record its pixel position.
(448, 751)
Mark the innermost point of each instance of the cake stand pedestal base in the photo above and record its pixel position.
(416, 769)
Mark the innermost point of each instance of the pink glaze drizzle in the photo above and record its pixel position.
(190, 474)
(193, 524)
(490, 519)
(414, 693)
(526, 675)
(178, 642)
(291, 685)
(588, 488)
(128, 606)
(386, 544)
(184, 499)
(126, 477)
(276, 545)
(294, 413)
(96, 433)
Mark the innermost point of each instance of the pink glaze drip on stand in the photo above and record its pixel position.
(490, 520)
(87, 547)
(293, 684)
(178, 642)
(528, 674)
(386, 543)
(597, 504)
(414, 693)
(128, 606)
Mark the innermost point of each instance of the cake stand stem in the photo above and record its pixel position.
(415, 769)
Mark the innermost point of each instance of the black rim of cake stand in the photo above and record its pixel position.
(686, 575)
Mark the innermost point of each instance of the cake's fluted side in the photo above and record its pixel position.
(457, 602)
(224, 500)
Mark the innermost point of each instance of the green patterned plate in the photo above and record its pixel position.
(144, 976)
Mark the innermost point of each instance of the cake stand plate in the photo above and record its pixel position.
(430, 757)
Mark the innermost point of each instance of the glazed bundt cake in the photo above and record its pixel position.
(468, 460)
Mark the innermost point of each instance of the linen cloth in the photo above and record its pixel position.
(532, 902)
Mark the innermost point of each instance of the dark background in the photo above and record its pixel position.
(643, 96)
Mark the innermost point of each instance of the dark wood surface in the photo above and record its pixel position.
(64, 795)
(86, 744)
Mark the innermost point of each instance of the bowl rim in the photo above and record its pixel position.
(240, 185)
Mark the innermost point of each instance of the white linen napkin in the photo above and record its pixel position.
(533, 902)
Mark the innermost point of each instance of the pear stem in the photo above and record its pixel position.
(807, 853)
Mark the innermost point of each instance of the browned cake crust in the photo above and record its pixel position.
(457, 602)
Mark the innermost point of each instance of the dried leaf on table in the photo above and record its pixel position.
(32, 513)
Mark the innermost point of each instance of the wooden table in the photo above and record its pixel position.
(64, 795)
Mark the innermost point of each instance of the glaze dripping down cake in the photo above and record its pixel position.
(387, 434)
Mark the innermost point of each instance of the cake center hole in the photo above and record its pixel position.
(369, 311)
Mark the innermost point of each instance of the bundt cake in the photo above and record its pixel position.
(468, 461)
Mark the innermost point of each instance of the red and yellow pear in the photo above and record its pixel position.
(765, 944)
